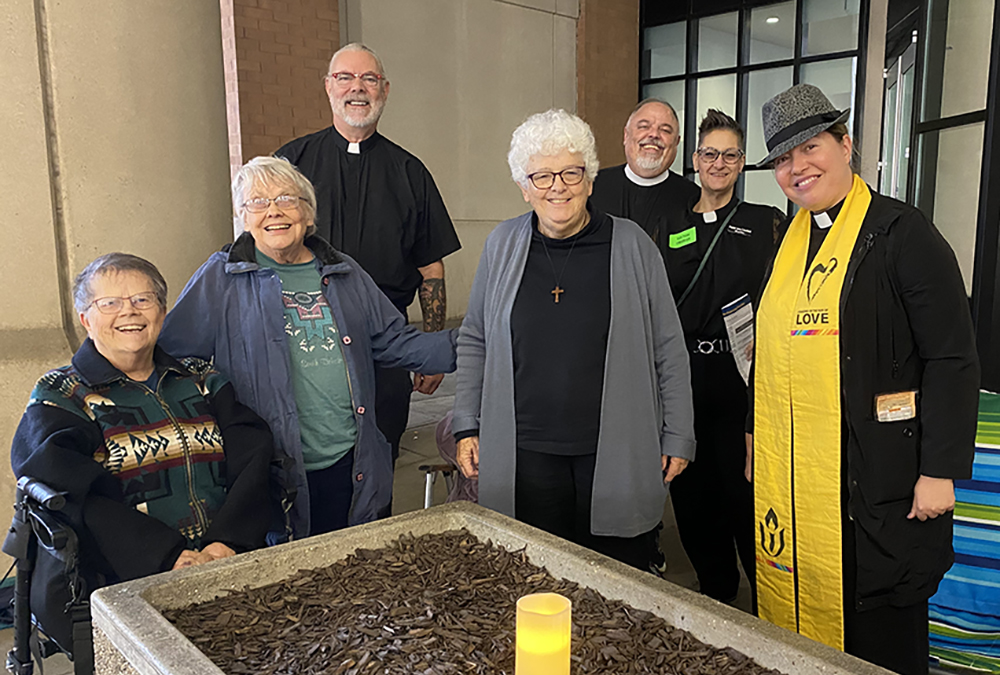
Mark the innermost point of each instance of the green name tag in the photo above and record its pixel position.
(683, 238)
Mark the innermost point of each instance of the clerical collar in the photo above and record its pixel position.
(355, 148)
(645, 182)
(824, 219)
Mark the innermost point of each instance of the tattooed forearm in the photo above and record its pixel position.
(432, 304)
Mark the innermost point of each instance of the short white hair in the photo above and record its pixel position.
(272, 171)
(549, 133)
(358, 47)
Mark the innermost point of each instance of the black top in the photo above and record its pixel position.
(817, 234)
(559, 348)
(736, 266)
(656, 208)
(381, 207)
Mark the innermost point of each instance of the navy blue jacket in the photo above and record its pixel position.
(231, 311)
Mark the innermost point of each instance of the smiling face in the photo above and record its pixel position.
(718, 176)
(278, 234)
(355, 104)
(816, 174)
(127, 337)
(561, 209)
(652, 135)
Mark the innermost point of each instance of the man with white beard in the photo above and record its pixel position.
(644, 189)
(378, 203)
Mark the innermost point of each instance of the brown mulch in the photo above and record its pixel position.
(434, 604)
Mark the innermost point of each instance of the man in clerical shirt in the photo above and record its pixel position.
(644, 189)
(378, 203)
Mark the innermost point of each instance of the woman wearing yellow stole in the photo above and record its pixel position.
(863, 400)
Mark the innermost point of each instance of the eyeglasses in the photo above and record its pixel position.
(369, 79)
(543, 180)
(730, 156)
(113, 305)
(261, 204)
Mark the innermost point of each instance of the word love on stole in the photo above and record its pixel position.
(812, 317)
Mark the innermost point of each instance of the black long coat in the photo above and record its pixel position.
(905, 325)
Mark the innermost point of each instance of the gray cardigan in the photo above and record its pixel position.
(646, 411)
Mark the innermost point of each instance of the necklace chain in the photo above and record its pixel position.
(558, 290)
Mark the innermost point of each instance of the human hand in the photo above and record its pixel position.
(932, 497)
(748, 470)
(189, 558)
(674, 469)
(468, 456)
(427, 384)
(217, 550)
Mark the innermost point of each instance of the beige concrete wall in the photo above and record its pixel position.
(114, 138)
(464, 74)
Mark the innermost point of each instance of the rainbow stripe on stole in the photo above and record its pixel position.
(797, 419)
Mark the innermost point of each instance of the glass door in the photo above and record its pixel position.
(897, 125)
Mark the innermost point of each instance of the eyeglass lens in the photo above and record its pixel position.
(369, 79)
(729, 156)
(260, 204)
(113, 305)
(543, 180)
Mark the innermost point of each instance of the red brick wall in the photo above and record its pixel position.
(278, 54)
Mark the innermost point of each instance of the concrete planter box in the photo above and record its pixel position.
(131, 636)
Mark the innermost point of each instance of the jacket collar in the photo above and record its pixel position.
(94, 369)
(243, 258)
(364, 146)
(883, 212)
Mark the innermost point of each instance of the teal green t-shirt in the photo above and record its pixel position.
(319, 375)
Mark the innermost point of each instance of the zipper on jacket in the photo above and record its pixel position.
(354, 411)
(195, 502)
(869, 244)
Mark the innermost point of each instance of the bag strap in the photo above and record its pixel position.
(708, 253)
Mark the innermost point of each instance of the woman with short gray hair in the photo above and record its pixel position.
(298, 326)
(574, 423)
(162, 467)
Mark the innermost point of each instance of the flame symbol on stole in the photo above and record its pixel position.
(772, 538)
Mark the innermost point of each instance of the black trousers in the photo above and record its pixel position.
(553, 493)
(712, 499)
(331, 491)
(393, 387)
(896, 638)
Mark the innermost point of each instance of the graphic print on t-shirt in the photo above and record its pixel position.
(309, 325)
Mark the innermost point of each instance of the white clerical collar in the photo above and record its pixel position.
(645, 182)
(354, 148)
(822, 220)
(710, 216)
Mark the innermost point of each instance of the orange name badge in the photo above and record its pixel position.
(901, 405)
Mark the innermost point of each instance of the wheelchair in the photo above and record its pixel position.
(46, 552)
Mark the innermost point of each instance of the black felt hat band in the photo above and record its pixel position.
(800, 126)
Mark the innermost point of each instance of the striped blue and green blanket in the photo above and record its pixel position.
(965, 612)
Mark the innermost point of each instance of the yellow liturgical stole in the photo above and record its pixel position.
(797, 417)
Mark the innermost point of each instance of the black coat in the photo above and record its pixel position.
(905, 325)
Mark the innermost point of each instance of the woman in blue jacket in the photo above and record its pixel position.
(298, 326)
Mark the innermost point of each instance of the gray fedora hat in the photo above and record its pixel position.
(794, 116)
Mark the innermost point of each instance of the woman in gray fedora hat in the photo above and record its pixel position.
(863, 400)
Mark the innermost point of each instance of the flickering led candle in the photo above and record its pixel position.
(543, 635)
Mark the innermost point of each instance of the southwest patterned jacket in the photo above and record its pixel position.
(148, 473)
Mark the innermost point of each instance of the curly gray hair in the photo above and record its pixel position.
(549, 133)
(116, 262)
(273, 171)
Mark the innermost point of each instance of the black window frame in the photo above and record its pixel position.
(657, 13)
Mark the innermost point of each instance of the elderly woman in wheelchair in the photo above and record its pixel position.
(160, 466)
